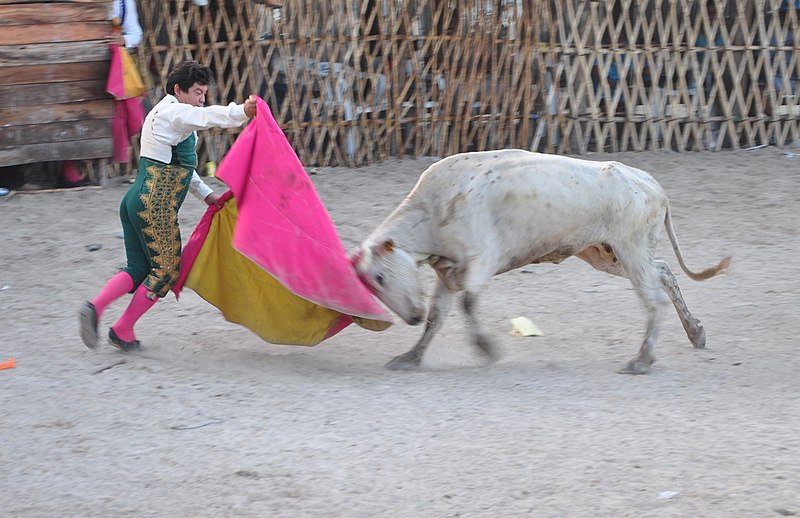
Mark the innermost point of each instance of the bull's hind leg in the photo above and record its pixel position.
(637, 265)
(602, 258)
(691, 325)
(643, 275)
(441, 300)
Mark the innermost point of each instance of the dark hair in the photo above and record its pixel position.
(187, 73)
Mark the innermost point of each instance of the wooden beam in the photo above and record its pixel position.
(54, 33)
(48, 53)
(20, 115)
(53, 73)
(32, 14)
(13, 136)
(52, 93)
(81, 2)
(73, 150)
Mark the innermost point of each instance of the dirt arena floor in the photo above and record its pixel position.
(211, 421)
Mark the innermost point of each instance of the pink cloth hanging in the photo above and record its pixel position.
(128, 116)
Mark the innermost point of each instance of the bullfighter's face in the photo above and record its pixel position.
(195, 95)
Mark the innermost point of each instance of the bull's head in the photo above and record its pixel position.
(394, 277)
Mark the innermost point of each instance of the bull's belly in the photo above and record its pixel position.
(599, 254)
(538, 255)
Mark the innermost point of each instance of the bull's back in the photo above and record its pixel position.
(527, 203)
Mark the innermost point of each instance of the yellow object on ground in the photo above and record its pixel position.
(521, 326)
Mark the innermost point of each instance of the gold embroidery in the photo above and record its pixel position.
(163, 186)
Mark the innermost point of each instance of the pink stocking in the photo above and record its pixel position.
(119, 285)
(70, 171)
(139, 305)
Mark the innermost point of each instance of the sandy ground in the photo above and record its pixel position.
(211, 421)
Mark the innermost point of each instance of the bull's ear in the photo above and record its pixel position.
(386, 247)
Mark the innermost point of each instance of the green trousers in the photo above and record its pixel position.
(149, 215)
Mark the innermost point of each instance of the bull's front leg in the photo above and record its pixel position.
(482, 341)
(440, 304)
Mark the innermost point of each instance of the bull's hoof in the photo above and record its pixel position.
(636, 366)
(404, 362)
(488, 349)
(698, 338)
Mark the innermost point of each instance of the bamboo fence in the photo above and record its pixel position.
(352, 82)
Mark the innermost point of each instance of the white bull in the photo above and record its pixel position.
(475, 215)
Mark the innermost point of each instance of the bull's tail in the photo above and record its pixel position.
(696, 276)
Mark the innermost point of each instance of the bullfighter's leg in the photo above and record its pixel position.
(441, 300)
(691, 325)
(482, 340)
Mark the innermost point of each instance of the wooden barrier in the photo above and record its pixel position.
(53, 69)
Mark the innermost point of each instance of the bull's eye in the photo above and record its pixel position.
(379, 279)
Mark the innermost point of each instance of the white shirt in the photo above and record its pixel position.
(170, 122)
(131, 30)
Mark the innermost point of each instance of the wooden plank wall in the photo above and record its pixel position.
(53, 69)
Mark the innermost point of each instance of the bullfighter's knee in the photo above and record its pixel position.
(138, 275)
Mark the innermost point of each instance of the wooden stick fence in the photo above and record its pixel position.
(356, 81)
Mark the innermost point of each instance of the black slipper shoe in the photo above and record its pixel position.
(88, 324)
(121, 344)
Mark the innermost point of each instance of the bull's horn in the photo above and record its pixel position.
(362, 259)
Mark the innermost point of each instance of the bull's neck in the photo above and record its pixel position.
(408, 227)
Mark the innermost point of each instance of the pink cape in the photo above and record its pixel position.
(283, 228)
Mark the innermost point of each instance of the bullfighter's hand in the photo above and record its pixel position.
(250, 106)
(212, 200)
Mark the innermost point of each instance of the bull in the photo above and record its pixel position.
(475, 215)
